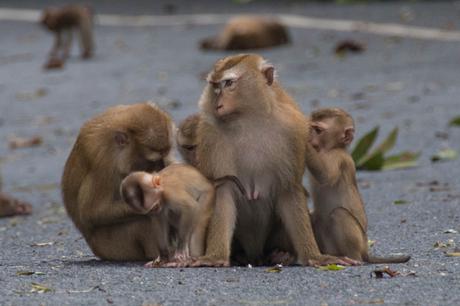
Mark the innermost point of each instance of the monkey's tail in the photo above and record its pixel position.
(233, 179)
(387, 259)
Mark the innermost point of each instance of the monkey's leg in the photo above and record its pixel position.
(198, 238)
(220, 232)
(86, 37)
(10, 206)
(346, 237)
(56, 45)
(67, 44)
(296, 219)
(131, 241)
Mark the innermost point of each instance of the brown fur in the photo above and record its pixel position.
(62, 21)
(252, 129)
(10, 206)
(249, 32)
(339, 218)
(111, 145)
(186, 138)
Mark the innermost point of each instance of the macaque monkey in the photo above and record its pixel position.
(110, 146)
(339, 219)
(252, 129)
(186, 138)
(249, 32)
(182, 197)
(62, 21)
(10, 206)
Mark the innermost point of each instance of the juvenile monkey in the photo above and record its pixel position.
(249, 32)
(339, 219)
(186, 138)
(252, 129)
(123, 139)
(62, 21)
(10, 206)
(182, 197)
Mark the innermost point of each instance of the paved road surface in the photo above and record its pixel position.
(412, 84)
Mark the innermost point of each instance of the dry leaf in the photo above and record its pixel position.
(42, 244)
(450, 231)
(18, 142)
(345, 46)
(39, 288)
(370, 243)
(28, 273)
(380, 273)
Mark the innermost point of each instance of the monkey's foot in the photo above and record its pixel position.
(54, 63)
(10, 206)
(280, 257)
(325, 260)
(209, 262)
(157, 263)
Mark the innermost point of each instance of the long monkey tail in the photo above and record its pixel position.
(387, 259)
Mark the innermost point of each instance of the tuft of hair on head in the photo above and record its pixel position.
(339, 114)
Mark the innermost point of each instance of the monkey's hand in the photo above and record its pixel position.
(10, 206)
(209, 261)
(324, 260)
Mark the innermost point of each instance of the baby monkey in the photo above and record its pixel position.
(62, 21)
(339, 218)
(183, 199)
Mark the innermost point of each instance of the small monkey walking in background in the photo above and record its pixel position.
(62, 21)
(183, 199)
(339, 218)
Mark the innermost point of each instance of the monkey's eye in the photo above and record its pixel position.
(189, 147)
(228, 83)
(317, 130)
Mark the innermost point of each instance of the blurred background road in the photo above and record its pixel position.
(396, 81)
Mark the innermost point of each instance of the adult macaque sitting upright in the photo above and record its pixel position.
(252, 129)
(110, 146)
(339, 219)
(248, 32)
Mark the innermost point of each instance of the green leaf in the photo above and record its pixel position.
(400, 202)
(455, 121)
(364, 144)
(402, 160)
(374, 163)
(275, 269)
(331, 267)
(389, 142)
(384, 147)
(445, 154)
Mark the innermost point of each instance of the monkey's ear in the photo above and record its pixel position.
(269, 73)
(348, 135)
(121, 138)
(156, 181)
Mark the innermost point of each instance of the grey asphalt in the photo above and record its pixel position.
(412, 84)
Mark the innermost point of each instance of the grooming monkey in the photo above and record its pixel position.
(252, 129)
(339, 219)
(123, 139)
(62, 21)
(186, 138)
(181, 196)
(249, 32)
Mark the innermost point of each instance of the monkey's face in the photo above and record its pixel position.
(324, 134)
(140, 192)
(224, 95)
(329, 133)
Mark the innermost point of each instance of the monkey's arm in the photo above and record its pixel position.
(99, 208)
(324, 167)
